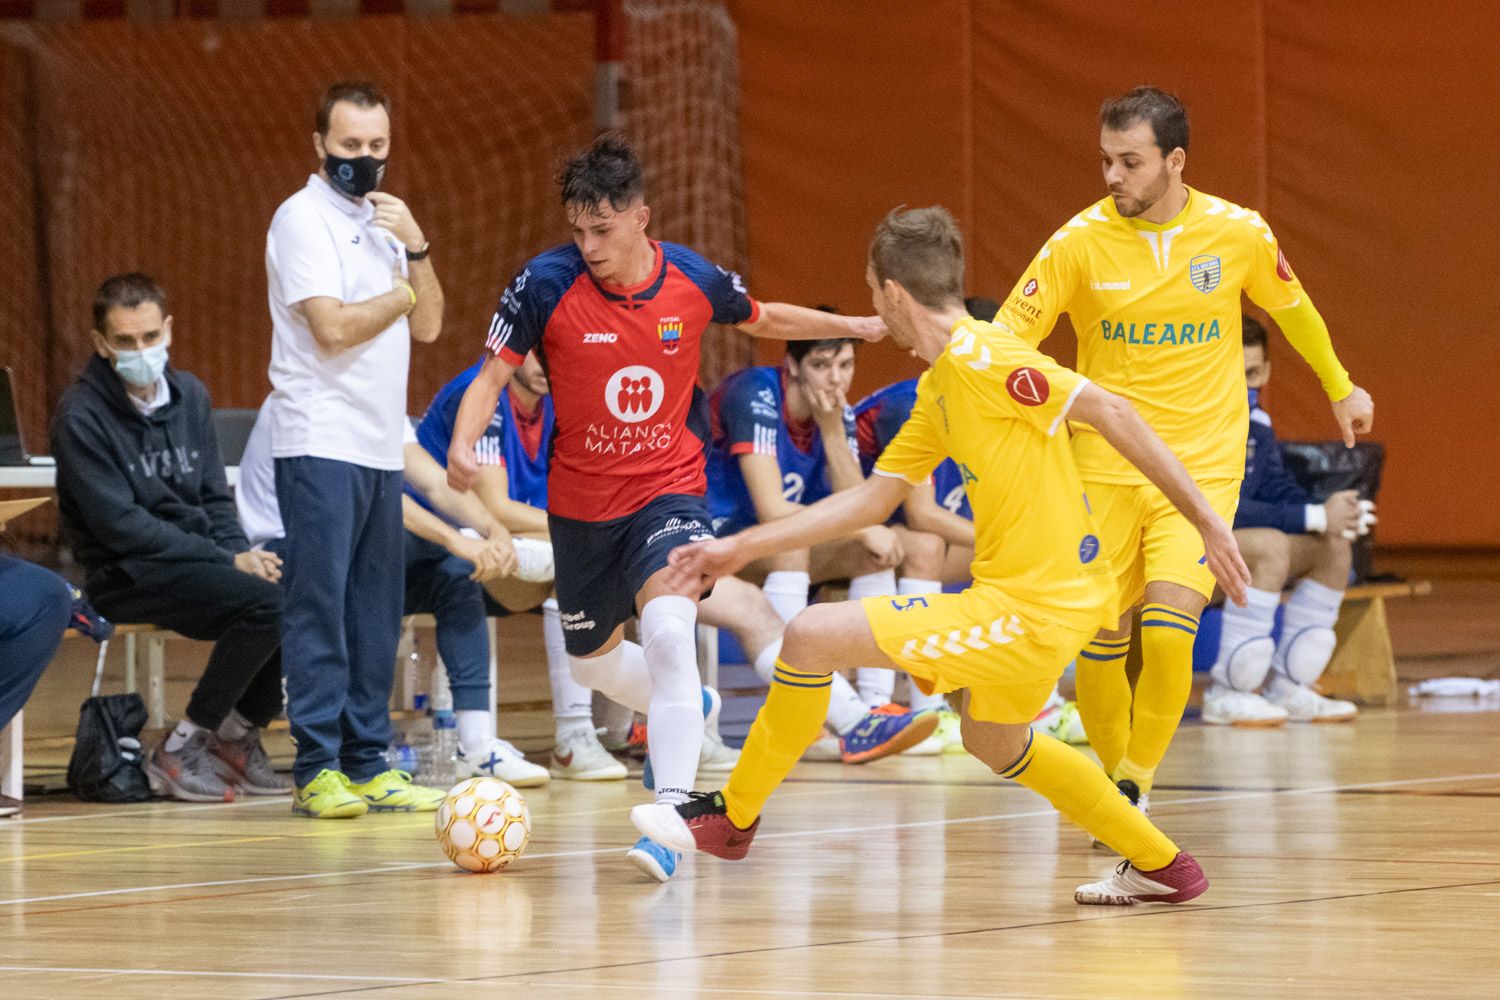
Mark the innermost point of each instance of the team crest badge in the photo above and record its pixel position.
(1204, 271)
(669, 332)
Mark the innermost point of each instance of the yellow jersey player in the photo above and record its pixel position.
(1041, 583)
(1151, 277)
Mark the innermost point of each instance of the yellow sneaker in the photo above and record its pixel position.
(950, 732)
(393, 791)
(328, 797)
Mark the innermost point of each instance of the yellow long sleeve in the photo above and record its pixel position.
(1305, 330)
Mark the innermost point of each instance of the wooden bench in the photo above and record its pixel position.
(1363, 667)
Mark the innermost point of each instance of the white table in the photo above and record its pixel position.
(44, 477)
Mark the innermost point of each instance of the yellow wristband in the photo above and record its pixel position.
(409, 290)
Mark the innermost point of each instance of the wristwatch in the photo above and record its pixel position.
(420, 254)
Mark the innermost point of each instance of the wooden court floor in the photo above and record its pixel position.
(1346, 861)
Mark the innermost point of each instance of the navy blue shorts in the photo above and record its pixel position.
(602, 565)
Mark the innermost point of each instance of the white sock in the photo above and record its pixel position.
(476, 727)
(915, 585)
(572, 703)
(620, 673)
(765, 661)
(235, 726)
(1312, 605)
(669, 638)
(184, 731)
(1254, 621)
(787, 592)
(876, 684)
(617, 719)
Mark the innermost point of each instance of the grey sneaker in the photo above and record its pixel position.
(189, 772)
(245, 764)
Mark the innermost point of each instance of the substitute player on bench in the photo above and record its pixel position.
(1041, 587)
(1152, 276)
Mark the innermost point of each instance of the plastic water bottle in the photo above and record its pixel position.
(444, 748)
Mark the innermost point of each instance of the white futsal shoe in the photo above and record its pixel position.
(1224, 706)
(499, 759)
(1303, 704)
(579, 756)
(825, 750)
(534, 560)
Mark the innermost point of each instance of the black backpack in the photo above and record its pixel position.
(108, 763)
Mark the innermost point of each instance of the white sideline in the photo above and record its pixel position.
(397, 866)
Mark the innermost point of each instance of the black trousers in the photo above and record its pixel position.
(239, 612)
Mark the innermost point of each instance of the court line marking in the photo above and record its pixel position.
(1121, 913)
(916, 824)
(413, 980)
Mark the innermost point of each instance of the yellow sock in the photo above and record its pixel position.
(784, 728)
(1086, 796)
(1104, 698)
(1161, 693)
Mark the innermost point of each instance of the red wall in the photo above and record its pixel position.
(1365, 141)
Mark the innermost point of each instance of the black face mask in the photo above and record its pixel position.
(354, 176)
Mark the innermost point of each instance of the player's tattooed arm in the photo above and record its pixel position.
(474, 415)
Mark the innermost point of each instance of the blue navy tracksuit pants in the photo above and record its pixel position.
(341, 618)
(438, 584)
(35, 605)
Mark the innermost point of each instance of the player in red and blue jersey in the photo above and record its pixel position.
(783, 438)
(619, 320)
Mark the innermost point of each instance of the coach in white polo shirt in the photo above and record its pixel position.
(350, 287)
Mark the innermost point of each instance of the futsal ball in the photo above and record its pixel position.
(483, 824)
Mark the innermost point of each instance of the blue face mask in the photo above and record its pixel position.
(141, 368)
(1254, 398)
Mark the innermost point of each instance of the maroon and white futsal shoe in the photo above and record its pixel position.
(700, 824)
(1179, 882)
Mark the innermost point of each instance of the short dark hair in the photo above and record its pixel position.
(1168, 118)
(126, 291)
(608, 171)
(1254, 335)
(922, 250)
(981, 308)
(799, 349)
(360, 93)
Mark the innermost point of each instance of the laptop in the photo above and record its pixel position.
(12, 450)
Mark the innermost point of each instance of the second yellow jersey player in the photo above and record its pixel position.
(1151, 278)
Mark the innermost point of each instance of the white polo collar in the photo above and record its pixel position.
(361, 210)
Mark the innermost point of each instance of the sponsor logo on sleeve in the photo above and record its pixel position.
(1283, 269)
(1028, 387)
(1030, 289)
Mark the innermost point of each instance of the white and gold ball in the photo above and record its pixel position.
(483, 824)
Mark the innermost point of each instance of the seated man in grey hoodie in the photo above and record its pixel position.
(147, 511)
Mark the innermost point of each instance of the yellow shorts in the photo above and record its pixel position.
(1147, 539)
(1007, 653)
